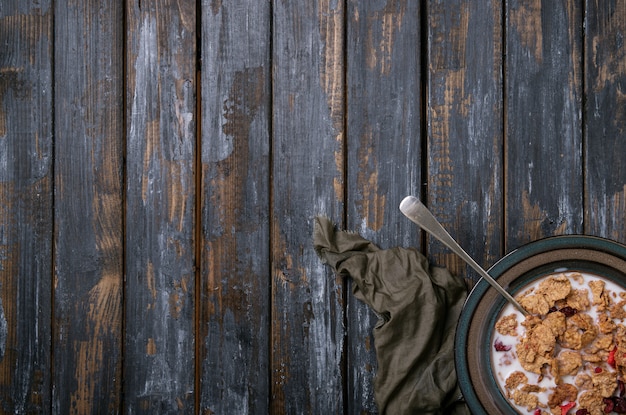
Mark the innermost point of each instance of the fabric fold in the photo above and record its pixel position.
(418, 306)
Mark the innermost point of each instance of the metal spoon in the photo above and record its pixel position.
(413, 209)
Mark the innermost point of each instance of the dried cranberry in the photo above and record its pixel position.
(611, 359)
(537, 412)
(609, 405)
(620, 405)
(568, 311)
(500, 347)
(598, 370)
(583, 411)
(621, 388)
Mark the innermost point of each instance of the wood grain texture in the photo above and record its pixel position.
(307, 180)
(25, 205)
(465, 140)
(235, 284)
(159, 355)
(605, 116)
(543, 119)
(88, 207)
(384, 155)
(161, 164)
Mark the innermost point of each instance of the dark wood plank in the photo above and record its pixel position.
(159, 358)
(236, 93)
(384, 155)
(465, 140)
(544, 185)
(88, 206)
(307, 180)
(25, 205)
(605, 116)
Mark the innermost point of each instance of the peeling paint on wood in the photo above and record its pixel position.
(384, 154)
(465, 142)
(25, 205)
(331, 14)
(605, 131)
(235, 284)
(160, 194)
(372, 206)
(448, 34)
(544, 122)
(307, 332)
(526, 20)
(383, 118)
(383, 26)
(88, 200)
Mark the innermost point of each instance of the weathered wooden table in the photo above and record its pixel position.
(161, 163)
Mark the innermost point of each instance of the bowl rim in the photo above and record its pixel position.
(506, 263)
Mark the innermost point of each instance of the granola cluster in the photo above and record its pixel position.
(572, 346)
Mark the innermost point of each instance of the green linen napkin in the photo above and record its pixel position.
(418, 307)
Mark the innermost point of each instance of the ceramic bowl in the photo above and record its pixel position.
(514, 271)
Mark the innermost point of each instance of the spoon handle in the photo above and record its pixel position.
(413, 209)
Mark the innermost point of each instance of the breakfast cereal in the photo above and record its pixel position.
(568, 356)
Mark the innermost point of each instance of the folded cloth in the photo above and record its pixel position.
(418, 307)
